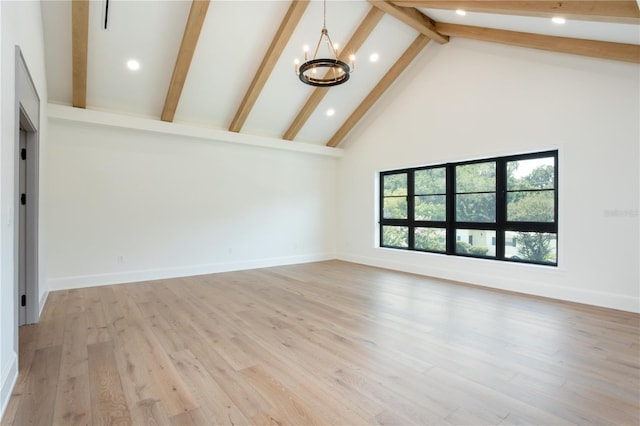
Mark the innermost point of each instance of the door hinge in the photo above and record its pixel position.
(23, 199)
(23, 300)
(23, 153)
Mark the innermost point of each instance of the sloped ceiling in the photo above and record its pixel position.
(229, 65)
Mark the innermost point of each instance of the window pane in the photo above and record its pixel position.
(475, 242)
(395, 208)
(480, 177)
(432, 239)
(537, 206)
(430, 207)
(537, 173)
(430, 181)
(395, 184)
(536, 247)
(395, 236)
(476, 208)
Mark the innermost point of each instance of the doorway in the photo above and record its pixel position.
(26, 190)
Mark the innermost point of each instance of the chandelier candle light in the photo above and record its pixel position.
(337, 71)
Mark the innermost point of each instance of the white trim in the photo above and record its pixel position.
(66, 113)
(43, 300)
(534, 288)
(9, 378)
(72, 282)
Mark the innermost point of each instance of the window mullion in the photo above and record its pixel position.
(450, 209)
(381, 210)
(501, 206)
(411, 209)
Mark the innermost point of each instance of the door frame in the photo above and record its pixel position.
(27, 116)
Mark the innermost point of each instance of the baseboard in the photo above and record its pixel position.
(43, 300)
(9, 377)
(66, 283)
(495, 281)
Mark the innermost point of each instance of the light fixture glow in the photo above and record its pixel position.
(334, 71)
(133, 65)
(558, 20)
(331, 112)
(374, 57)
(461, 12)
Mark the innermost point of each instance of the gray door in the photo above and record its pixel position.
(22, 228)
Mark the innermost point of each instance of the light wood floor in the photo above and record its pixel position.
(323, 343)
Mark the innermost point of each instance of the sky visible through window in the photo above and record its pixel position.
(525, 167)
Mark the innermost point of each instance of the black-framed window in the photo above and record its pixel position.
(503, 208)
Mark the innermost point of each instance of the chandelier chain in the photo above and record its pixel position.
(324, 23)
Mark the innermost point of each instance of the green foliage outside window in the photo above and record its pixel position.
(395, 236)
(432, 239)
(476, 192)
(395, 196)
(538, 206)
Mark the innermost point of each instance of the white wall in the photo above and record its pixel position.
(20, 24)
(128, 205)
(471, 99)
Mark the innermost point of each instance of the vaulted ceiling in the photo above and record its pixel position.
(230, 64)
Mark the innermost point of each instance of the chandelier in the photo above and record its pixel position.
(324, 72)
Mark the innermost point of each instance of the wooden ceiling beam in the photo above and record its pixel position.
(596, 49)
(625, 11)
(79, 48)
(364, 30)
(288, 25)
(188, 46)
(413, 18)
(394, 72)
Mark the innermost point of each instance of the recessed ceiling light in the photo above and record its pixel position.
(461, 12)
(331, 112)
(133, 65)
(374, 57)
(558, 20)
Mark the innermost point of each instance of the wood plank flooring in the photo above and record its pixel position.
(323, 343)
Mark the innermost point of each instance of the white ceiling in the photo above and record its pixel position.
(235, 36)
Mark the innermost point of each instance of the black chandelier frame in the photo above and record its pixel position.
(324, 72)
